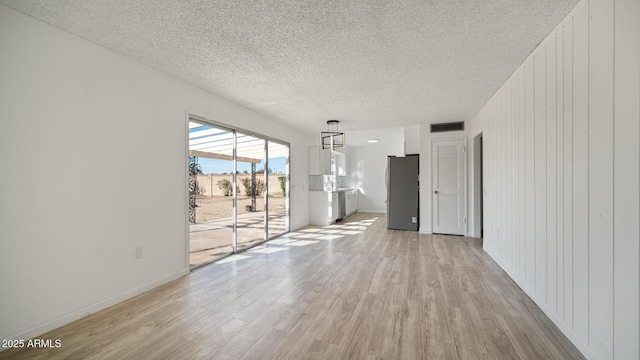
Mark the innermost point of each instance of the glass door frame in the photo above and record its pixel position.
(267, 139)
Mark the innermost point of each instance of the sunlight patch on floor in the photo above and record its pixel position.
(232, 258)
(267, 250)
(311, 230)
(329, 237)
(293, 234)
(302, 243)
(280, 241)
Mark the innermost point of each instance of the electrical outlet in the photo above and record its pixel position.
(414, 219)
(139, 252)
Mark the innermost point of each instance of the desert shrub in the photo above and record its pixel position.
(199, 189)
(246, 184)
(283, 184)
(225, 186)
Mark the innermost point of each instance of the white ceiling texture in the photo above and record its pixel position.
(370, 64)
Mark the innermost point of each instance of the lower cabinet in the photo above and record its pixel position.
(324, 206)
(351, 201)
(335, 207)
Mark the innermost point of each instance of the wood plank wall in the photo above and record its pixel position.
(561, 167)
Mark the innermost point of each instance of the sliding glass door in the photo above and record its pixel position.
(211, 210)
(238, 191)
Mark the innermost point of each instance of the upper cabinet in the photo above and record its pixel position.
(314, 160)
(340, 163)
(319, 161)
(327, 162)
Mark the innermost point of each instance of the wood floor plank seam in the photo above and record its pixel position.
(354, 290)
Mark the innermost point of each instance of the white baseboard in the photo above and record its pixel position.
(93, 308)
(425, 231)
(371, 211)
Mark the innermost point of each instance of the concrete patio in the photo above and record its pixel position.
(211, 240)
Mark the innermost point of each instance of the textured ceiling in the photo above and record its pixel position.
(370, 64)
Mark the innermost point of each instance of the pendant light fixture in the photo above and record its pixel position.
(332, 138)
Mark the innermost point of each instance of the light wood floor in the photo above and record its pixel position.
(351, 291)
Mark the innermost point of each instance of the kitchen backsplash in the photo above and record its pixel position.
(347, 182)
(319, 182)
(324, 182)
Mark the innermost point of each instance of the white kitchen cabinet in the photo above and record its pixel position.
(351, 201)
(334, 206)
(325, 162)
(340, 163)
(328, 162)
(314, 160)
(319, 161)
(323, 207)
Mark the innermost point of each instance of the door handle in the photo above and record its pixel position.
(436, 192)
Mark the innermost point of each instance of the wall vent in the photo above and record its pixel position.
(443, 127)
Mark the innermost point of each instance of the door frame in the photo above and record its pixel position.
(478, 186)
(464, 179)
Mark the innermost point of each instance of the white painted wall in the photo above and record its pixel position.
(412, 139)
(369, 164)
(562, 159)
(93, 123)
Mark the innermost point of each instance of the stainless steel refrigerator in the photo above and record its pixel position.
(403, 192)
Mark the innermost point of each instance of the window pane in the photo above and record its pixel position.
(278, 185)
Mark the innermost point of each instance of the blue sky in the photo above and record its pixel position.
(215, 166)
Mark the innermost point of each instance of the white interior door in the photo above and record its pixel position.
(448, 183)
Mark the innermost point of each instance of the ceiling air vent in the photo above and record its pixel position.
(443, 127)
